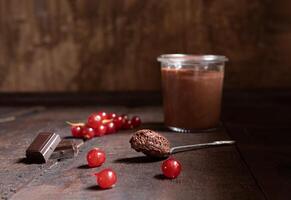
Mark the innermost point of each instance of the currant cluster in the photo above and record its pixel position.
(101, 123)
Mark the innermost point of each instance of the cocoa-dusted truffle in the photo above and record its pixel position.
(150, 143)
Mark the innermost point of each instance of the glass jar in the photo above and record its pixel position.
(192, 91)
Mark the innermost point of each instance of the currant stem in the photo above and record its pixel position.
(75, 123)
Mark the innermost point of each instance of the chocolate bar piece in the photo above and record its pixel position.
(42, 147)
(67, 149)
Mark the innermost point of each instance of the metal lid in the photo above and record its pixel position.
(190, 59)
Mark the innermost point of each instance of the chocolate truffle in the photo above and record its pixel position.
(150, 143)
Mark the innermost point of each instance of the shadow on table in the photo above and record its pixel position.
(25, 161)
(83, 167)
(95, 188)
(284, 169)
(157, 126)
(138, 159)
(160, 177)
(69, 137)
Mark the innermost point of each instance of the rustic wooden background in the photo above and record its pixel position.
(105, 45)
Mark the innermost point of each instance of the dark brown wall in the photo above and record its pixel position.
(70, 45)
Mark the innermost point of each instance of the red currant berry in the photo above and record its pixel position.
(127, 124)
(171, 168)
(110, 128)
(111, 116)
(95, 157)
(103, 115)
(118, 121)
(77, 131)
(100, 131)
(124, 116)
(88, 132)
(106, 178)
(94, 120)
(136, 121)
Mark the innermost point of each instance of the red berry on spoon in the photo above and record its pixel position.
(77, 131)
(95, 157)
(136, 121)
(171, 168)
(106, 178)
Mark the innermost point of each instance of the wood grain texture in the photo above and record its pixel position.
(262, 128)
(213, 173)
(259, 122)
(74, 45)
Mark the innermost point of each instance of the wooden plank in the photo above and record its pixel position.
(267, 152)
(15, 172)
(16, 136)
(263, 132)
(16, 113)
(108, 46)
(216, 173)
(4, 110)
(77, 99)
(231, 98)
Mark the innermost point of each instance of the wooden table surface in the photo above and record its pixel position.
(257, 167)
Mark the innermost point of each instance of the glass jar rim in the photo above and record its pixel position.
(190, 58)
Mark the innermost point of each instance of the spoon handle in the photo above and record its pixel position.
(199, 146)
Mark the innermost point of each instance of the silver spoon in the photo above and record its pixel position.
(154, 144)
(178, 149)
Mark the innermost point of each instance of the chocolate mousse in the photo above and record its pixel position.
(191, 97)
(150, 143)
